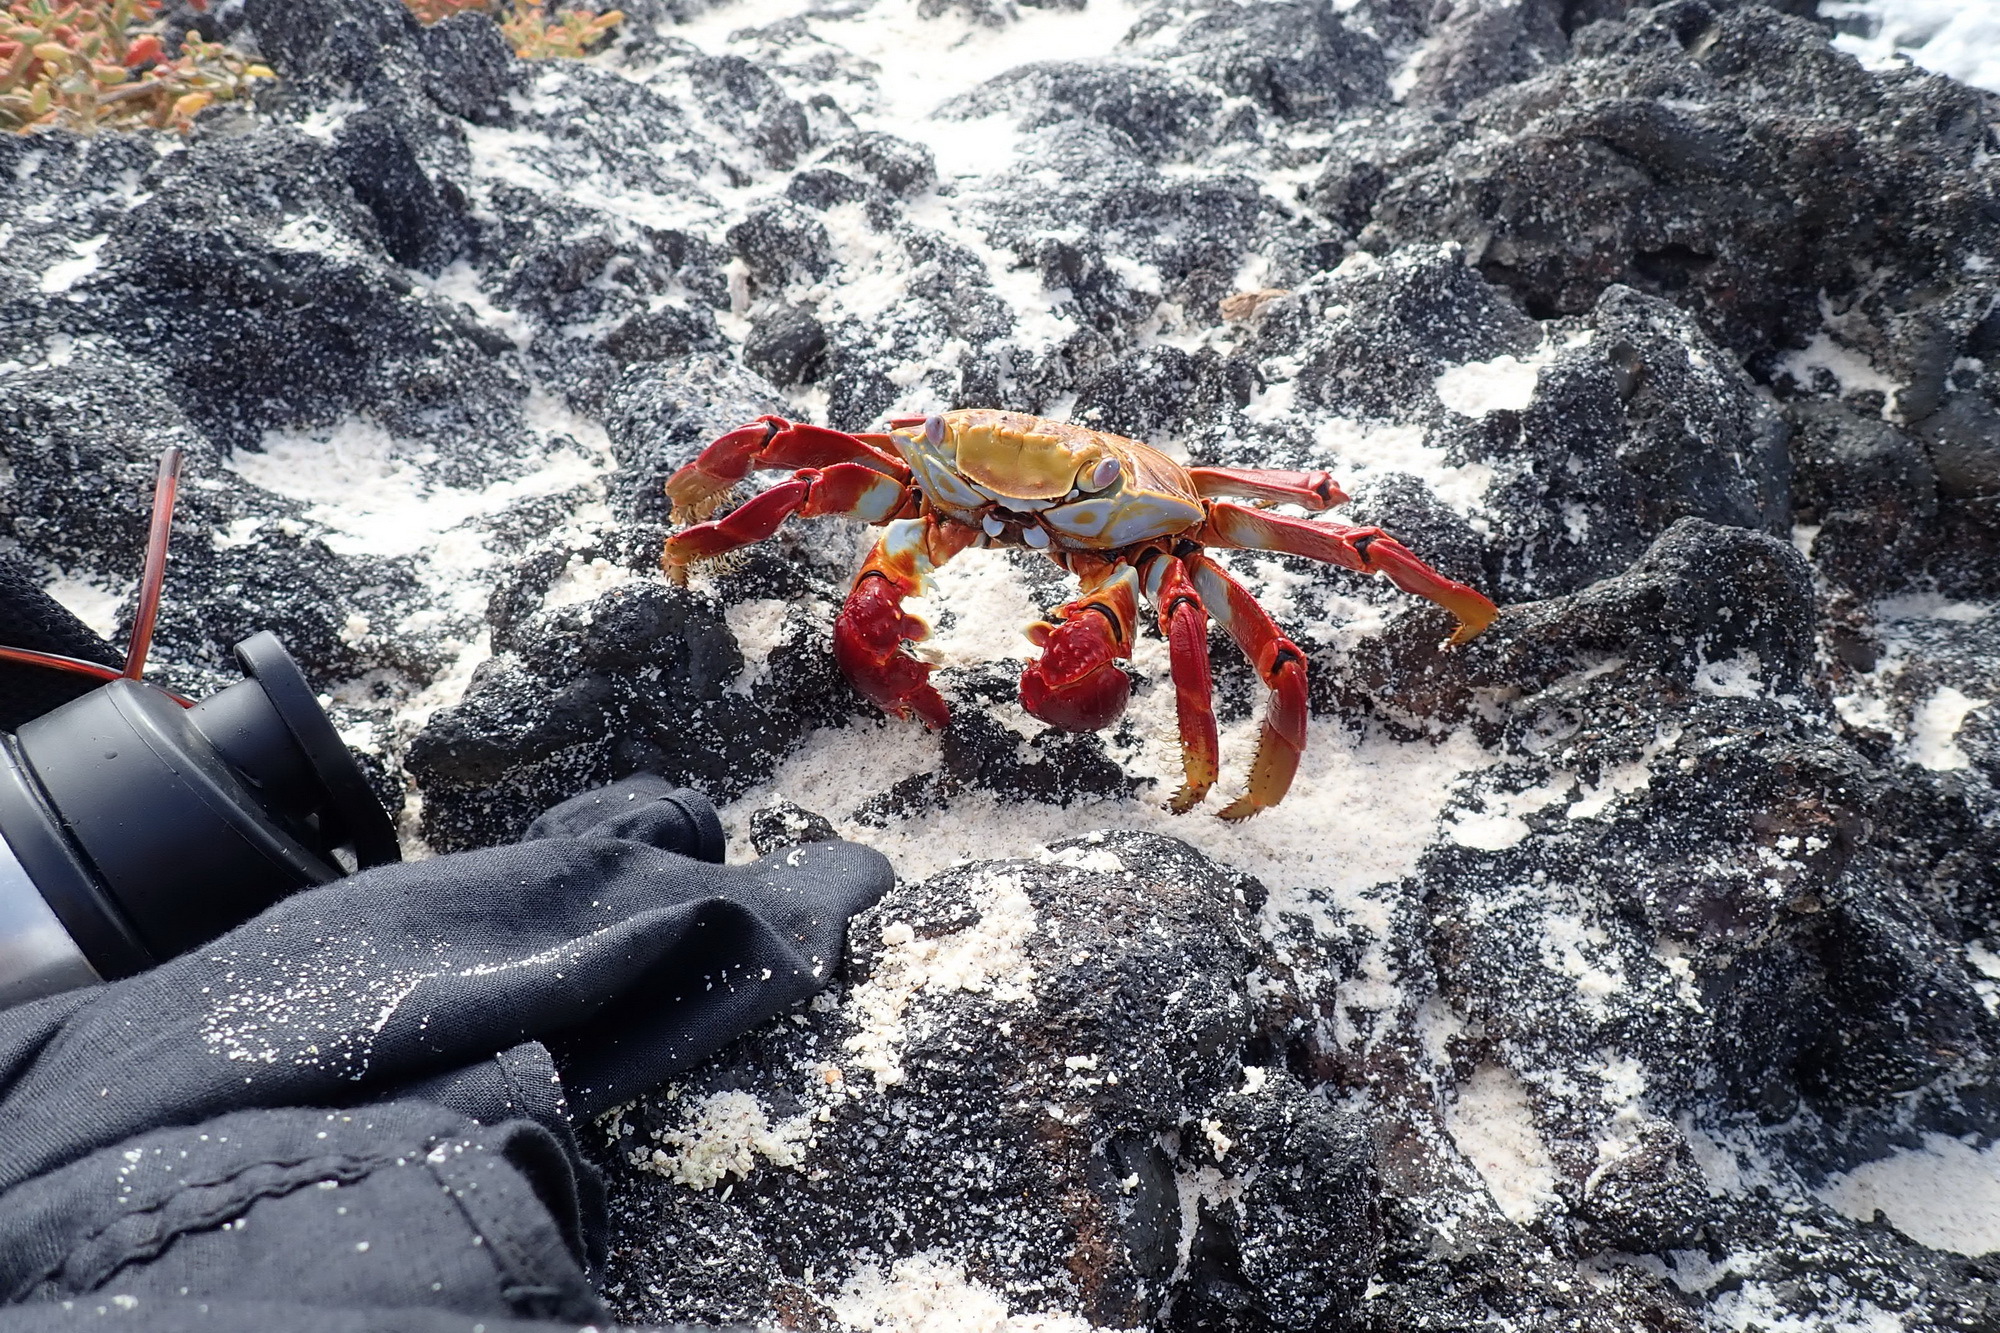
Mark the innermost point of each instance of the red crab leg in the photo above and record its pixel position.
(871, 629)
(1184, 623)
(1075, 683)
(772, 442)
(845, 488)
(1282, 667)
(1314, 490)
(1369, 550)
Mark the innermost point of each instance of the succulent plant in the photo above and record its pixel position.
(529, 30)
(95, 64)
(101, 64)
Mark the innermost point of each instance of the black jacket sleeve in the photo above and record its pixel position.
(155, 1134)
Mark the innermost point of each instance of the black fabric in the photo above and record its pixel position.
(30, 618)
(359, 1101)
(400, 1204)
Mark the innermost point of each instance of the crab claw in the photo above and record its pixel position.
(699, 486)
(868, 637)
(1075, 684)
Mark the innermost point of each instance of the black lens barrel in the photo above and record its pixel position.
(151, 828)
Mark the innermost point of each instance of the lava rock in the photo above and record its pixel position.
(1373, 337)
(782, 243)
(666, 334)
(1649, 1194)
(1148, 111)
(822, 189)
(633, 680)
(781, 824)
(1585, 175)
(1868, 490)
(1670, 326)
(1299, 62)
(1693, 439)
(422, 222)
(1964, 440)
(785, 347)
(748, 100)
(472, 70)
(202, 268)
(1481, 46)
(660, 416)
(1702, 594)
(1094, 999)
(899, 166)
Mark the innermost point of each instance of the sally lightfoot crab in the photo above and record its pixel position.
(1124, 518)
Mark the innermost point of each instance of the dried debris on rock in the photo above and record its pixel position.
(1612, 972)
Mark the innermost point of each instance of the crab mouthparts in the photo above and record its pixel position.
(1030, 532)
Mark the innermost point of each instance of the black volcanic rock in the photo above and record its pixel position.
(1658, 158)
(1297, 61)
(785, 347)
(1045, 1073)
(898, 165)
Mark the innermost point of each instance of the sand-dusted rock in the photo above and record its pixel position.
(1037, 1077)
(1655, 159)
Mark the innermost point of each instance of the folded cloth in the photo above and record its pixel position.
(361, 1099)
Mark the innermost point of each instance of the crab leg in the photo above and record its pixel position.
(845, 488)
(1369, 550)
(1281, 666)
(1184, 624)
(872, 627)
(1314, 490)
(1075, 684)
(772, 442)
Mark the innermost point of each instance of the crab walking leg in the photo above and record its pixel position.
(845, 488)
(872, 627)
(1184, 623)
(772, 442)
(1282, 667)
(1369, 550)
(1314, 490)
(1075, 684)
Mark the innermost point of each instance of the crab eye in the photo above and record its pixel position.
(934, 430)
(1100, 474)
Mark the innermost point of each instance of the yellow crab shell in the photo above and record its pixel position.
(1028, 481)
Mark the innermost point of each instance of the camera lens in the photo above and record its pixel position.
(144, 829)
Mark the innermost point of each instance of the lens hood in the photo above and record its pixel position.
(150, 828)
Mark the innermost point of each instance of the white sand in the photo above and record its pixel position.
(985, 958)
(1505, 383)
(929, 1294)
(1945, 1194)
(1933, 742)
(1493, 1124)
(1956, 37)
(727, 1134)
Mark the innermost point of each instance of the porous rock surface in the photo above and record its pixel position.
(1607, 973)
(1039, 1069)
